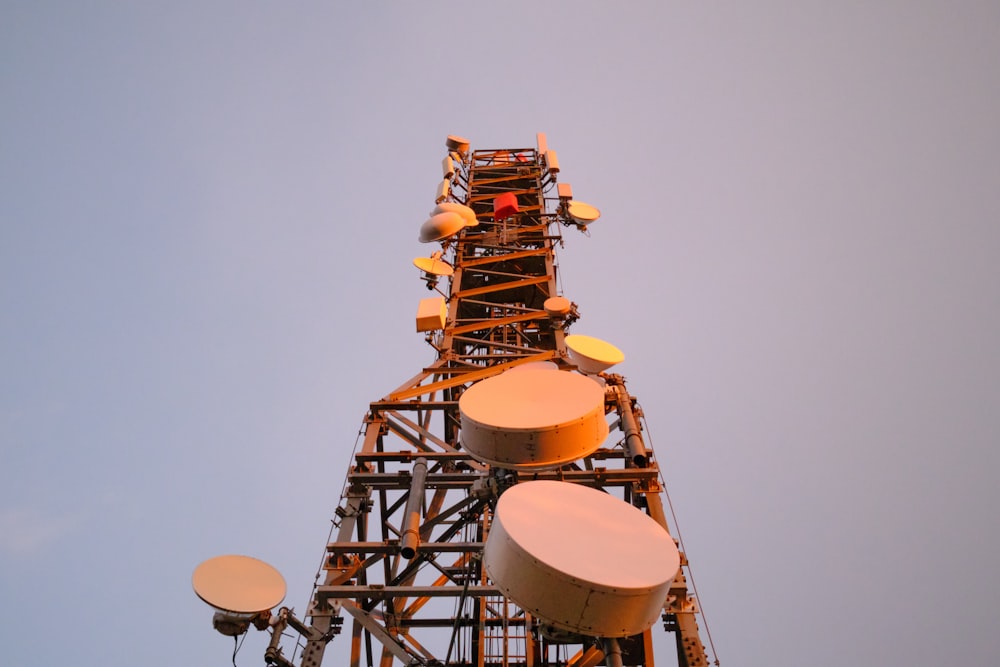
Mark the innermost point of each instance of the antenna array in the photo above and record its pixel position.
(503, 508)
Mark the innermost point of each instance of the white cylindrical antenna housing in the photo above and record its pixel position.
(552, 162)
(541, 143)
(533, 419)
(580, 559)
(444, 187)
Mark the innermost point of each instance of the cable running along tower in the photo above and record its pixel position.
(503, 508)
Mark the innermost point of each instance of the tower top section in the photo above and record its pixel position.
(497, 219)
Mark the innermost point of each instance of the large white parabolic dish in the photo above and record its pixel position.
(580, 559)
(239, 584)
(534, 418)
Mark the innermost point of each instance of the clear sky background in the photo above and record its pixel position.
(207, 217)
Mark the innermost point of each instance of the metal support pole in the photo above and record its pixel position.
(410, 539)
(273, 656)
(612, 652)
(634, 446)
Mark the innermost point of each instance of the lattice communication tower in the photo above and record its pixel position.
(503, 508)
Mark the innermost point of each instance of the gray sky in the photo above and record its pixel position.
(207, 217)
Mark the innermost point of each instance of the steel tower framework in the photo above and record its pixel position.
(404, 566)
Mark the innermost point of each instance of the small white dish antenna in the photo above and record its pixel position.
(582, 214)
(433, 266)
(239, 584)
(468, 215)
(441, 226)
(592, 355)
(557, 306)
(456, 143)
(580, 559)
(532, 419)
